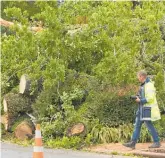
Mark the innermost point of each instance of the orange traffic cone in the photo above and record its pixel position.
(38, 148)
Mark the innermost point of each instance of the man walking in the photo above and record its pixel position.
(146, 98)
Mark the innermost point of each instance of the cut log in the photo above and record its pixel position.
(4, 105)
(24, 86)
(23, 131)
(15, 104)
(6, 23)
(76, 129)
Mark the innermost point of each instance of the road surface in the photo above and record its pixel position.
(15, 151)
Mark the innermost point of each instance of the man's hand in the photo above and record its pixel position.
(137, 100)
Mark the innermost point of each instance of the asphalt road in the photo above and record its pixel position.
(15, 151)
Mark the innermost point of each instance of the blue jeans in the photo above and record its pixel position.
(137, 128)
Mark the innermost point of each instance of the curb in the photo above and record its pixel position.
(141, 150)
(149, 154)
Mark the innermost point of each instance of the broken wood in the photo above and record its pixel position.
(6, 23)
(24, 86)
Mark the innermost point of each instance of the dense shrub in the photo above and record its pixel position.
(47, 103)
(73, 91)
(111, 109)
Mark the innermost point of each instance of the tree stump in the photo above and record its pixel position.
(24, 131)
(76, 129)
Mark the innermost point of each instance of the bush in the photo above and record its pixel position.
(111, 109)
(105, 134)
(73, 90)
(53, 129)
(47, 103)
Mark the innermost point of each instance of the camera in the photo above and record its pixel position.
(133, 97)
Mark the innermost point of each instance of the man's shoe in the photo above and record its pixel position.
(130, 144)
(155, 145)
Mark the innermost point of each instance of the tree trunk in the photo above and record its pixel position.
(14, 104)
(24, 86)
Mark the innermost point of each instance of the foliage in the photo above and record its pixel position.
(87, 54)
(99, 49)
(20, 119)
(161, 100)
(145, 136)
(110, 108)
(47, 103)
(65, 142)
(2, 131)
(61, 96)
(105, 134)
(9, 137)
(160, 126)
(53, 129)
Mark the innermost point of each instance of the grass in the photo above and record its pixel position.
(9, 137)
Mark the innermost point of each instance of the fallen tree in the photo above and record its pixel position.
(15, 104)
(6, 23)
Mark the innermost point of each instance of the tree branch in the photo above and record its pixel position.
(9, 23)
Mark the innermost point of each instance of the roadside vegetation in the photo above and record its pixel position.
(82, 66)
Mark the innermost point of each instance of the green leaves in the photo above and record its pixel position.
(107, 135)
(55, 71)
(84, 46)
(17, 14)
